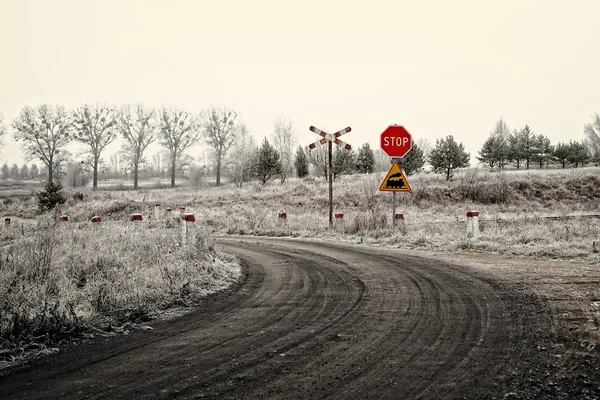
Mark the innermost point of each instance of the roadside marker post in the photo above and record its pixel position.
(339, 223)
(400, 222)
(7, 222)
(330, 139)
(188, 222)
(472, 224)
(282, 219)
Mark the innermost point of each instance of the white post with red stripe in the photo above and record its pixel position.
(339, 223)
(472, 224)
(188, 221)
(282, 219)
(400, 222)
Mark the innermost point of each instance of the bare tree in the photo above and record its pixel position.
(138, 128)
(242, 155)
(96, 127)
(284, 141)
(2, 130)
(592, 131)
(425, 145)
(44, 133)
(178, 131)
(219, 128)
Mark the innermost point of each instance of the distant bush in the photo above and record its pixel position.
(51, 196)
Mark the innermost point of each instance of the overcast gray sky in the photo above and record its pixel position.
(436, 67)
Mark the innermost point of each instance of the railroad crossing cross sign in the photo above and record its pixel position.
(326, 137)
(330, 140)
(395, 181)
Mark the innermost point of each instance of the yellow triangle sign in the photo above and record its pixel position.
(395, 181)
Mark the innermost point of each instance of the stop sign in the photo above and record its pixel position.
(396, 142)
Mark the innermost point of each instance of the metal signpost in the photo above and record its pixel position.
(396, 142)
(330, 139)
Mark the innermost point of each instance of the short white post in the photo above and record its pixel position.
(181, 211)
(339, 223)
(188, 221)
(136, 218)
(157, 210)
(282, 219)
(7, 222)
(472, 224)
(400, 223)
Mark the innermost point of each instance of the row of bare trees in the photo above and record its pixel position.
(45, 132)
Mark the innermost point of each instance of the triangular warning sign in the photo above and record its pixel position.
(395, 181)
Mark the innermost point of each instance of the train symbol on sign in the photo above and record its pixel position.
(395, 181)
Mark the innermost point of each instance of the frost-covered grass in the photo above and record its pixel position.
(59, 281)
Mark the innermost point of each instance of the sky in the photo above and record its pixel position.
(436, 67)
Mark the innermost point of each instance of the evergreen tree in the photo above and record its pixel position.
(14, 172)
(527, 141)
(34, 172)
(267, 162)
(365, 161)
(301, 163)
(448, 155)
(561, 153)
(5, 171)
(516, 153)
(343, 161)
(51, 196)
(413, 161)
(24, 172)
(544, 150)
(486, 154)
(578, 154)
(495, 150)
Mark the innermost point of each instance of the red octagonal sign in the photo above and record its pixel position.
(396, 142)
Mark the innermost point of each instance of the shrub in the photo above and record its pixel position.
(51, 196)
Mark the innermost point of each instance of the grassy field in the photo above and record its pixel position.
(62, 280)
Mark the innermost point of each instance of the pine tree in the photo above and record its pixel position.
(365, 161)
(578, 155)
(14, 172)
(486, 154)
(448, 155)
(301, 163)
(413, 161)
(34, 172)
(267, 162)
(51, 196)
(544, 150)
(24, 172)
(561, 153)
(343, 161)
(5, 171)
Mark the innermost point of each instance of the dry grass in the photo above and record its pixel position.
(63, 280)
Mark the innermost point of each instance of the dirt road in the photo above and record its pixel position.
(316, 320)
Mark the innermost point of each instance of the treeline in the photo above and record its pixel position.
(524, 149)
(24, 173)
(44, 133)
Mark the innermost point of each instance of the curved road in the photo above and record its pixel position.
(316, 320)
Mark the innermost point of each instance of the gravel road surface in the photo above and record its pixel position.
(324, 320)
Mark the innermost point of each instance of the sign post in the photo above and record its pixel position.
(330, 139)
(396, 142)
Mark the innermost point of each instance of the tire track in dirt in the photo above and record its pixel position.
(314, 320)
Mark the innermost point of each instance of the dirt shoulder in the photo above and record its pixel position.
(570, 289)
